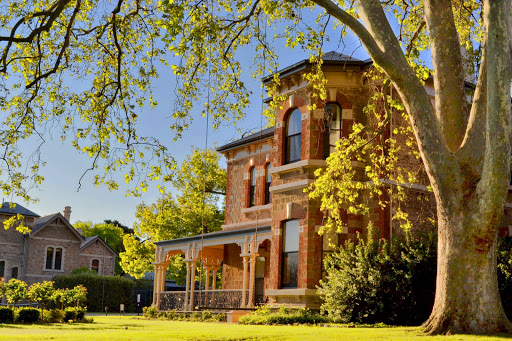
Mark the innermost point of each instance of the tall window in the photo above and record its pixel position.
(268, 182)
(332, 127)
(53, 258)
(95, 265)
(290, 255)
(14, 272)
(2, 268)
(252, 187)
(293, 136)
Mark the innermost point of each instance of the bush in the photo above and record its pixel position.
(150, 312)
(74, 314)
(28, 315)
(118, 291)
(373, 280)
(6, 315)
(284, 315)
(53, 316)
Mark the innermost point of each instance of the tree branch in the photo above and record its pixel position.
(451, 106)
(495, 176)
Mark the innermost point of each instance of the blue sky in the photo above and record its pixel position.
(64, 166)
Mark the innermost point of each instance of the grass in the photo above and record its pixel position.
(114, 328)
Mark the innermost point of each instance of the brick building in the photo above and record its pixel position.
(269, 246)
(53, 247)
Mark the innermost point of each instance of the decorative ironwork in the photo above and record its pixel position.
(209, 299)
(221, 299)
(172, 300)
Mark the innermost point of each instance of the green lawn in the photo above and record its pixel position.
(137, 328)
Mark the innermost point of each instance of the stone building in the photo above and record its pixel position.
(53, 247)
(269, 246)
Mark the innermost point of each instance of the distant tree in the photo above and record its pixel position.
(138, 257)
(201, 184)
(125, 228)
(108, 232)
(15, 291)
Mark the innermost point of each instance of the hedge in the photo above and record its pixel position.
(118, 290)
(6, 315)
(28, 315)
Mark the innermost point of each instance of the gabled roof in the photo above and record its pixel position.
(18, 209)
(90, 240)
(40, 223)
(260, 135)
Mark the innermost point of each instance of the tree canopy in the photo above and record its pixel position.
(110, 51)
(197, 208)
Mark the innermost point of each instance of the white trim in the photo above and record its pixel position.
(251, 223)
(291, 292)
(93, 255)
(13, 244)
(291, 186)
(38, 275)
(256, 208)
(298, 165)
(58, 240)
(264, 149)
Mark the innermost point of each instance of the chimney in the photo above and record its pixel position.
(67, 213)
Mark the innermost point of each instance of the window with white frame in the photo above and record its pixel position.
(53, 258)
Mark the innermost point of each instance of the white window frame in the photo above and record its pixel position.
(55, 247)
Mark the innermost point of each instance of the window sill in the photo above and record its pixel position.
(51, 270)
(291, 292)
(299, 165)
(254, 209)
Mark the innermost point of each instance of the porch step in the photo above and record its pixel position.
(232, 316)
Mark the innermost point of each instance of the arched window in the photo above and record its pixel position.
(332, 127)
(293, 136)
(2, 268)
(268, 181)
(49, 258)
(53, 258)
(252, 187)
(14, 272)
(95, 265)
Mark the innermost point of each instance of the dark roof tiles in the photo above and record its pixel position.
(18, 209)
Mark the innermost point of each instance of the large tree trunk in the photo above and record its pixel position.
(467, 297)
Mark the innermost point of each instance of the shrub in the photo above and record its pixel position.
(74, 314)
(118, 291)
(150, 312)
(15, 290)
(28, 315)
(41, 293)
(284, 315)
(6, 315)
(53, 316)
(371, 280)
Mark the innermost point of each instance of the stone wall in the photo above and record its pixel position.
(97, 250)
(11, 250)
(56, 235)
